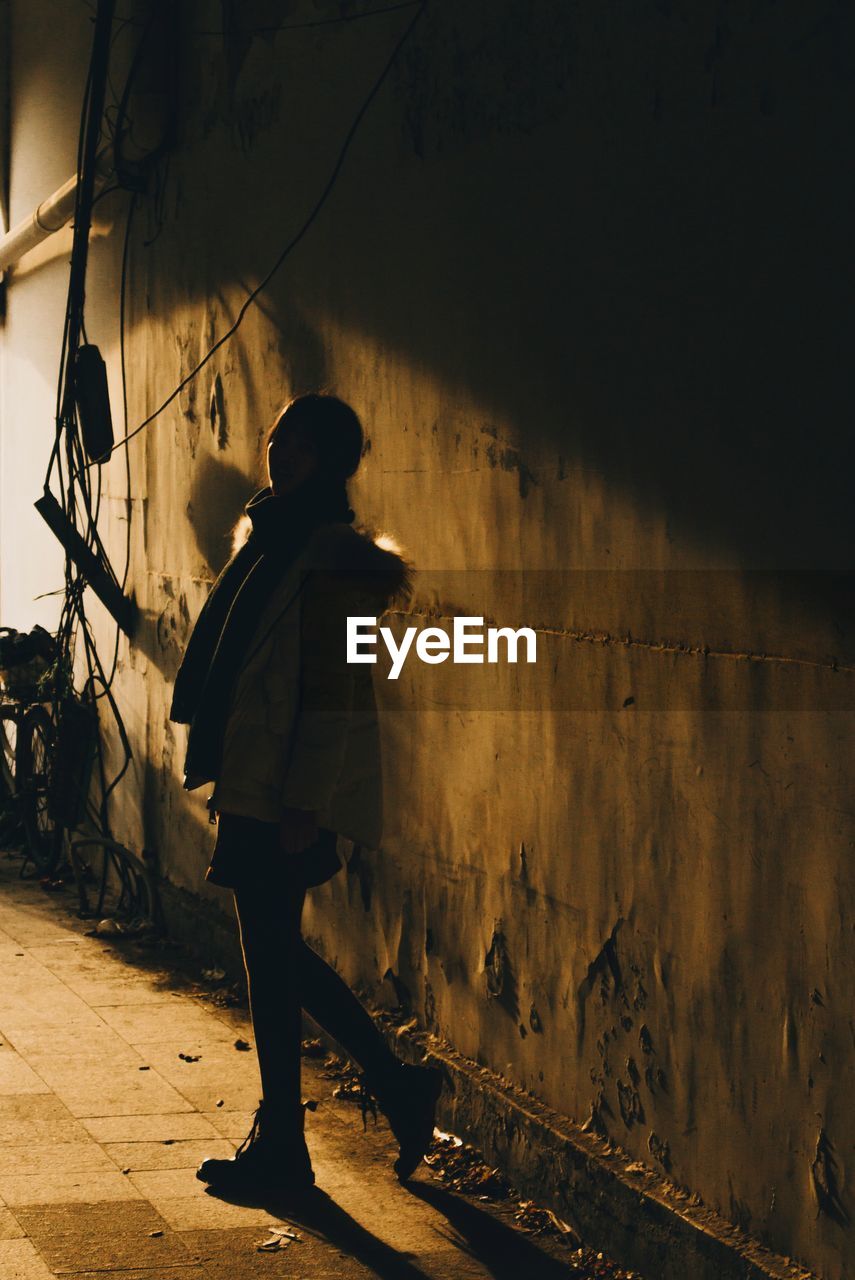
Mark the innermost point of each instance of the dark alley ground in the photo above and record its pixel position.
(119, 1072)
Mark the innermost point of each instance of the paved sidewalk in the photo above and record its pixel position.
(103, 1122)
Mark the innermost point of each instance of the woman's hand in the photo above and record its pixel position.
(298, 828)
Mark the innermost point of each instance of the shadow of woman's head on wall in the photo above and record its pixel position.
(218, 494)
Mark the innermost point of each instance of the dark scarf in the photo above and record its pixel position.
(220, 641)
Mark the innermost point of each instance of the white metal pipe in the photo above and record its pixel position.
(52, 214)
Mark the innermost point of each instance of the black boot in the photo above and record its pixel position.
(273, 1156)
(408, 1098)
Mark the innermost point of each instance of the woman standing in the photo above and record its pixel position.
(287, 731)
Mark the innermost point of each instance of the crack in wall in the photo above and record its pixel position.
(605, 638)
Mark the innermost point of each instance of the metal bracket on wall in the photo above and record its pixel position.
(90, 565)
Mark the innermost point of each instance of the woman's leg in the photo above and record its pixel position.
(274, 1152)
(328, 1000)
(270, 940)
(284, 976)
(407, 1095)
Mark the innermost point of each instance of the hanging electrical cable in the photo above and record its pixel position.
(83, 433)
(83, 438)
(292, 243)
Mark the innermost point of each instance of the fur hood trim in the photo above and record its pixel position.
(370, 560)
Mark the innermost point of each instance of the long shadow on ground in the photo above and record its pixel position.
(502, 1251)
(323, 1217)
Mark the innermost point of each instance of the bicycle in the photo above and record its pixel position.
(10, 826)
(26, 765)
(28, 754)
(48, 743)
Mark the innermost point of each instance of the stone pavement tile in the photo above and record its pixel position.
(234, 1255)
(88, 955)
(30, 929)
(168, 1184)
(341, 1239)
(91, 980)
(11, 952)
(220, 1072)
(81, 940)
(143, 1024)
(16, 1076)
(30, 932)
(10, 1227)
(71, 1041)
(215, 1061)
(48, 1157)
(347, 1113)
(60, 1070)
(380, 1228)
(64, 1187)
(91, 1057)
(111, 1090)
(65, 1010)
(451, 1261)
(113, 991)
(235, 1096)
(106, 966)
(30, 981)
(79, 968)
(8, 945)
(232, 1081)
(157, 1155)
(189, 1272)
(234, 1125)
(237, 1020)
(198, 1213)
(174, 1127)
(355, 1171)
(103, 1237)
(19, 1260)
(343, 1142)
(38, 1117)
(22, 965)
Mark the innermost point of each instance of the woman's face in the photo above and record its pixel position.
(290, 461)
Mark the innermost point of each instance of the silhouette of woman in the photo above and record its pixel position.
(287, 731)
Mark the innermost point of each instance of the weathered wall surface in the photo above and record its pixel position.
(584, 275)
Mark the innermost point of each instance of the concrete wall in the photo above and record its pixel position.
(584, 275)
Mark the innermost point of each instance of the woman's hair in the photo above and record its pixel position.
(327, 425)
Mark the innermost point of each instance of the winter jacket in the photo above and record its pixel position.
(302, 727)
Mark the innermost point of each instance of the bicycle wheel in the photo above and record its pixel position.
(10, 821)
(8, 739)
(34, 758)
